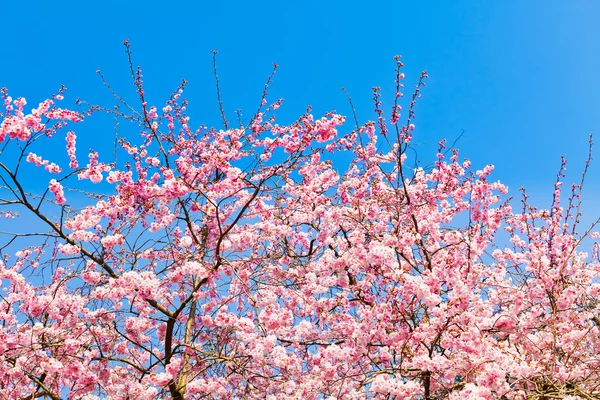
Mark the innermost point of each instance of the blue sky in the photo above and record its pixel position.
(519, 77)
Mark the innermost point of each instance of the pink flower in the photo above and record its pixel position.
(71, 142)
(68, 249)
(57, 189)
(34, 158)
(112, 240)
(38, 161)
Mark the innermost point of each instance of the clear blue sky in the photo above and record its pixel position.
(521, 78)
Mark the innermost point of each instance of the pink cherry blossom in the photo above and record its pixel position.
(57, 189)
(247, 262)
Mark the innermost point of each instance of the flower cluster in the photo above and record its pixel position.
(57, 189)
(38, 161)
(248, 263)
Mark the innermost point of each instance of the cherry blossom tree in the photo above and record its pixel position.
(246, 263)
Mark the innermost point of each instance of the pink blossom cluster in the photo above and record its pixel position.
(57, 190)
(71, 148)
(94, 169)
(247, 263)
(38, 161)
(112, 240)
(18, 125)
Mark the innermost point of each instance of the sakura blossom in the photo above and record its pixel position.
(246, 263)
